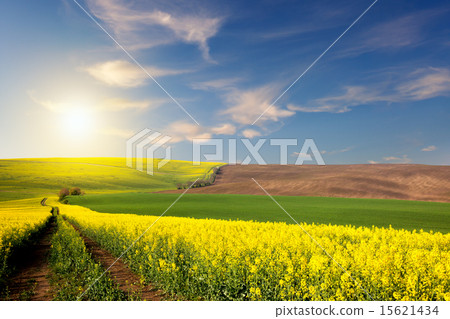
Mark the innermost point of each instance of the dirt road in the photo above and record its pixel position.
(31, 279)
(127, 280)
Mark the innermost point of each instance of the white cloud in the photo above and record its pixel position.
(48, 104)
(426, 83)
(218, 84)
(372, 162)
(145, 27)
(353, 96)
(118, 73)
(419, 85)
(120, 104)
(122, 73)
(396, 33)
(110, 104)
(297, 154)
(249, 133)
(224, 129)
(402, 32)
(400, 160)
(245, 106)
(343, 150)
(184, 130)
(429, 148)
(391, 158)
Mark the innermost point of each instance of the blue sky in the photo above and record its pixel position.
(380, 94)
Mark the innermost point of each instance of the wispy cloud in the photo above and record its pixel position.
(422, 84)
(120, 104)
(407, 31)
(224, 129)
(108, 104)
(311, 14)
(430, 148)
(352, 96)
(122, 73)
(372, 162)
(426, 83)
(297, 154)
(400, 160)
(187, 131)
(250, 133)
(144, 27)
(218, 84)
(48, 104)
(343, 150)
(183, 130)
(245, 105)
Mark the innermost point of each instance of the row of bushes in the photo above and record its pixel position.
(201, 182)
(74, 191)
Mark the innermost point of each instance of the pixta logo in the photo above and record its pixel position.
(308, 150)
(143, 145)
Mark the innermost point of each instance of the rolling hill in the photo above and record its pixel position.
(26, 178)
(382, 181)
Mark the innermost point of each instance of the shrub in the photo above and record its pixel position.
(75, 191)
(197, 184)
(189, 184)
(63, 193)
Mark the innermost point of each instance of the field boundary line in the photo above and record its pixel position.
(136, 62)
(315, 61)
(313, 239)
(137, 239)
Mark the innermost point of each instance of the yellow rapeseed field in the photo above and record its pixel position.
(240, 260)
(19, 219)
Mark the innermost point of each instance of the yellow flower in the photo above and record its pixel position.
(390, 264)
(397, 296)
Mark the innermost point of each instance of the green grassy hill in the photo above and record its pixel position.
(112, 187)
(400, 214)
(27, 178)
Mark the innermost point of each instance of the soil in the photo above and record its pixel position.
(30, 281)
(127, 280)
(384, 181)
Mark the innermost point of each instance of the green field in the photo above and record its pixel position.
(112, 187)
(399, 214)
(28, 178)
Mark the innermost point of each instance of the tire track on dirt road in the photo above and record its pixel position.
(30, 279)
(127, 280)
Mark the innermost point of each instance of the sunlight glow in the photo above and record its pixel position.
(78, 122)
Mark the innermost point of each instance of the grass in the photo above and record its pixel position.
(113, 187)
(399, 214)
(27, 178)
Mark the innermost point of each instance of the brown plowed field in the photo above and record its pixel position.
(394, 181)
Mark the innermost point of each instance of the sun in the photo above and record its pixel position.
(78, 122)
